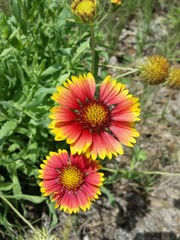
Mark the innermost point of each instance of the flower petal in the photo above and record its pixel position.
(62, 114)
(82, 143)
(124, 134)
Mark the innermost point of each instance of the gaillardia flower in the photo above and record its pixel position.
(117, 2)
(173, 79)
(85, 10)
(154, 69)
(94, 124)
(73, 181)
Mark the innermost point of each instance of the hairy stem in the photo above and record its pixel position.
(127, 73)
(93, 45)
(162, 173)
(143, 172)
(117, 67)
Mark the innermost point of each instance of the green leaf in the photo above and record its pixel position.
(112, 178)
(53, 213)
(63, 78)
(65, 51)
(108, 194)
(7, 129)
(44, 91)
(142, 155)
(6, 186)
(33, 150)
(12, 168)
(63, 17)
(31, 198)
(17, 12)
(6, 51)
(13, 147)
(5, 223)
(38, 100)
(51, 70)
(80, 50)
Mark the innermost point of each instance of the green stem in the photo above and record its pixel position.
(18, 213)
(127, 73)
(162, 173)
(117, 67)
(166, 105)
(112, 170)
(122, 75)
(144, 172)
(93, 45)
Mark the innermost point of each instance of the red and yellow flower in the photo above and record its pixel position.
(73, 181)
(94, 123)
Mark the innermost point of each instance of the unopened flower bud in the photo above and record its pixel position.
(85, 10)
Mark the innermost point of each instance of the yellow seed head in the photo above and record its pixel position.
(85, 10)
(173, 79)
(154, 69)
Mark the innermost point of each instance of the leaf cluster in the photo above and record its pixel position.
(40, 46)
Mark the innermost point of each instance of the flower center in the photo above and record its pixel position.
(71, 177)
(84, 7)
(95, 116)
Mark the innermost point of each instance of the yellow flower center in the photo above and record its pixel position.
(71, 177)
(96, 115)
(84, 9)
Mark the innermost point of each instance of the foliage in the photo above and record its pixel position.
(37, 52)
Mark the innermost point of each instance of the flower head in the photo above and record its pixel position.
(85, 10)
(117, 2)
(154, 69)
(173, 79)
(73, 181)
(91, 124)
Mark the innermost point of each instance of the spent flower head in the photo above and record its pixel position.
(154, 69)
(95, 123)
(73, 181)
(85, 11)
(173, 79)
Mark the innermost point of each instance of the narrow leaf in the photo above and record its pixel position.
(108, 194)
(7, 129)
(31, 198)
(6, 186)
